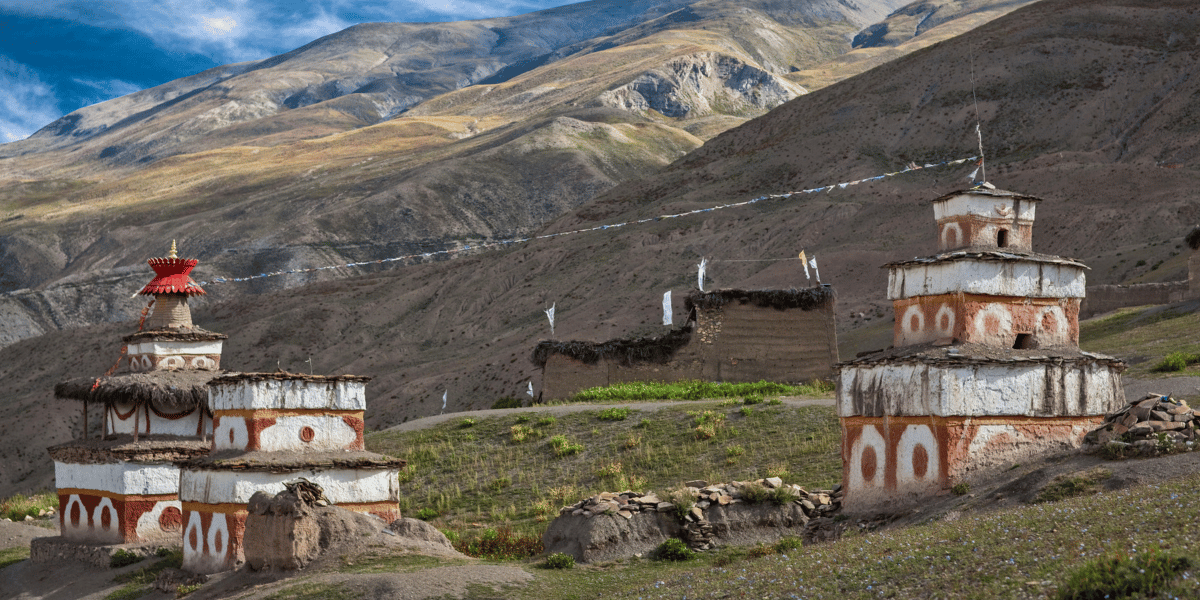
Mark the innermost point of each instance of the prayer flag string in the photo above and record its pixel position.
(503, 243)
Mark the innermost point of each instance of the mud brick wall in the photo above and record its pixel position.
(735, 342)
(1103, 298)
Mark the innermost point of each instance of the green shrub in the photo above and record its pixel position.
(427, 513)
(614, 414)
(467, 422)
(1123, 576)
(757, 493)
(683, 501)
(507, 402)
(644, 423)
(1177, 361)
(788, 544)
(734, 451)
(558, 560)
(563, 447)
(784, 494)
(746, 411)
(774, 402)
(707, 423)
(520, 433)
(673, 549)
(546, 421)
(522, 418)
(1077, 484)
(961, 488)
(752, 399)
(124, 558)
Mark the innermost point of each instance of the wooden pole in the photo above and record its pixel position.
(136, 416)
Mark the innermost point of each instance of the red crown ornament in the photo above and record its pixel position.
(171, 276)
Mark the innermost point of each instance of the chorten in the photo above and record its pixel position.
(123, 487)
(985, 369)
(271, 428)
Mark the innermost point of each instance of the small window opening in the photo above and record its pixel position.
(1024, 342)
(1002, 238)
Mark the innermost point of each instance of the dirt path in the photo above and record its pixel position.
(562, 409)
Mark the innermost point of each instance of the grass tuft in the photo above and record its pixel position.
(1123, 576)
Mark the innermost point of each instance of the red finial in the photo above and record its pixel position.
(172, 276)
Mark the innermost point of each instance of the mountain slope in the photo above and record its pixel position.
(1089, 105)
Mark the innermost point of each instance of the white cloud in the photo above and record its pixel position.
(26, 102)
(106, 89)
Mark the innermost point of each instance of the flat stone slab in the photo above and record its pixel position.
(59, 549)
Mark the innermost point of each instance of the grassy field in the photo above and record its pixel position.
(1027, 552)
(518, 470)
(1144, 336)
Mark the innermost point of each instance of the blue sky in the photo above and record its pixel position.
(60, 55)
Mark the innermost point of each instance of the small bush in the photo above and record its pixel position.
(614, 414)
(563, 447)
(788, 544)
(752, 399)
(707, 423)
(520, 433)
(734, 451)
(783, 495)
(1123, 576)
(683, 501)
(961, 489)
(427, 513)
(522, 418)
(746, 411)
(610, 470)
(1175, 361)
(507, 402)
(756, 493)
(182, 590)
(546, 421)
(673, 549)
(558, 560)
(500, 544)
(644, 423)
(774, 402)
(124, 558)
(632, 441)
(467, 422)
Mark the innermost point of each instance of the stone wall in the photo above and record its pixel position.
(1104, 298)
(738, 341)
(609, 525)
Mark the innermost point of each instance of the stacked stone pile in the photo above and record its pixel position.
(1143, 424)
(815, 504)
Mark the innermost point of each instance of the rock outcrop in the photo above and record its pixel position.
(703, 84)
(288, 531)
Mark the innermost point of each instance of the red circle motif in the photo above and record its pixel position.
(307, 434)
(170, 519)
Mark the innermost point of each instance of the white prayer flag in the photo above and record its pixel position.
(550, 315)
(443, 401)
(812, 262)
(530, 392)
(700, 275)
(667, 308)
(804, 261)
(973, 173)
